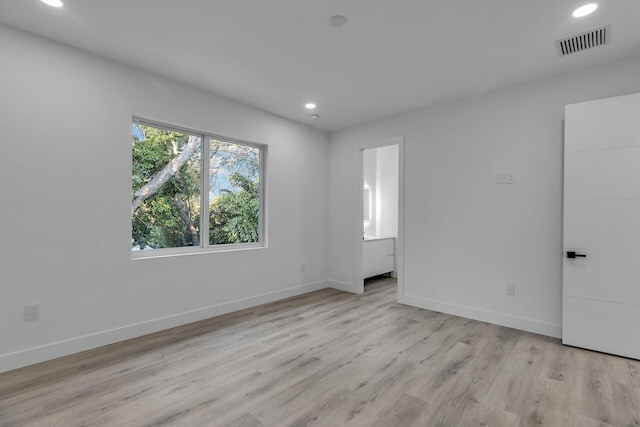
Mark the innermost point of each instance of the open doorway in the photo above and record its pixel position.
(382, 210)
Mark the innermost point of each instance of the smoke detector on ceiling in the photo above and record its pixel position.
(590, 39)
(337, 21)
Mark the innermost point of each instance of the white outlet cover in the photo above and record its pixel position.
(31, 312)
(511, 178)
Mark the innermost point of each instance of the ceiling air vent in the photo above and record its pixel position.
(584, 41)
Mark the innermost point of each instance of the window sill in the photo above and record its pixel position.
(165, 253)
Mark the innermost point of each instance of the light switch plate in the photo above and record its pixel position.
(510, 289)
(500, 179)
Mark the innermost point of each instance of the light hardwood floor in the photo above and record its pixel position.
(328, 359)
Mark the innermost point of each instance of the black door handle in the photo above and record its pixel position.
(572, 254)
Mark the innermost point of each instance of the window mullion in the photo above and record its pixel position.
(204, 192)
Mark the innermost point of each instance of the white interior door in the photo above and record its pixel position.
(601, 290)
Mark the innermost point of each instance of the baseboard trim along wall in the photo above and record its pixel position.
(342, 286)
(522, 323)
(19, 359)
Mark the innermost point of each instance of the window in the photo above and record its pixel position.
(184, 182)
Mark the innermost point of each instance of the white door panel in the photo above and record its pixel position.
(601, 291)
(614, 325)
(606, 276)
(604, 130)
(602, 174)
(611, 225)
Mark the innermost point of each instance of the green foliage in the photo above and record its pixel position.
(234, 216)
(157, 222)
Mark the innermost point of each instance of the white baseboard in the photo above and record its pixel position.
(19, 359)
(522, 323)
(342, 286)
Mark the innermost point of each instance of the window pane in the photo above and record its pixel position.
(165, 210)
(234, 193)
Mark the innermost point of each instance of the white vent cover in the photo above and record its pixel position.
(584, 41)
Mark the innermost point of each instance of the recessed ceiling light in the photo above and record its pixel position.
(315, 116)
(54, 3)
(585, 10)
(310, 106)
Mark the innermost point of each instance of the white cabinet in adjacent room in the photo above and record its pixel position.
(378, 256)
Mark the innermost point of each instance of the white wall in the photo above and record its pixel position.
(65, 127)
(380, 175)
(370, 181)
(466, 237)
(387, 191)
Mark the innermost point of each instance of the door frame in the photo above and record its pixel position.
(358, 214)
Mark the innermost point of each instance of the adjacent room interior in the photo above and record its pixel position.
(362, 212)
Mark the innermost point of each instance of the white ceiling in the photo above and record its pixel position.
(392, 56)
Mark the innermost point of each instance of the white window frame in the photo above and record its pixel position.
(205, 247)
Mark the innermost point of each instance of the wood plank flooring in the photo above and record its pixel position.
(328, 359)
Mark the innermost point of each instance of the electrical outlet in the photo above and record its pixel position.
(500, 178)
(511, 178)
(31, 312)
(510, 289)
